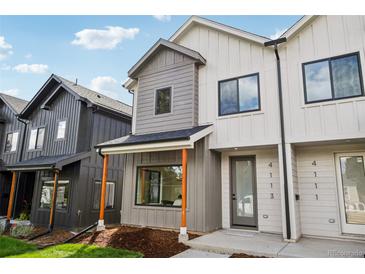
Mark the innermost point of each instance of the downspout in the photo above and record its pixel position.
(282, 131)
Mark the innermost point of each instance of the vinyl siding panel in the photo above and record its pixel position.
(167, 69)
(203, 213)
(326, 36)
(318, 188)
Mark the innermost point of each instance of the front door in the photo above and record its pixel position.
(351, 188)
(243, 190)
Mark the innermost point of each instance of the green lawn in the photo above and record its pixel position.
(79, 251)
(10, 246)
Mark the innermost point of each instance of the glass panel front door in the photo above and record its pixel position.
(243, 191)
(351, 170)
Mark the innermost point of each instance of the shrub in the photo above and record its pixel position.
(23, 216)
(21, 231)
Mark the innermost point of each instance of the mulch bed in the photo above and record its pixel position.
(153, 243)
(242, 255)
(55, 237)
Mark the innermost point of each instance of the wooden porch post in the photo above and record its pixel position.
(183, 236)
(54, 200)
(11, 198)
(101, 225)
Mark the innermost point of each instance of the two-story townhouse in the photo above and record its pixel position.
(214, 145)
(64, 122)
(11, 136)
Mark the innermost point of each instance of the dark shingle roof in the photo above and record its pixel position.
(167, 136)
(97, 98)
(16, 104)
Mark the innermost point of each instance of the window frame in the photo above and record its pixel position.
(94, 192)
(136, 187)
(155, 101)
(238, 92)
(329, 59)
(17, 142)
(57, 128)
(36, 140)
(51, 179)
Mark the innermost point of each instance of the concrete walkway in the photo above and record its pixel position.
(270, 245)
(192, 253)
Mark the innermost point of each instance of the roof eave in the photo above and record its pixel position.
(301, 23)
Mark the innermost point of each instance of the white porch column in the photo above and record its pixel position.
(291, 167)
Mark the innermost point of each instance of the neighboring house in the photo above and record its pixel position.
(64, 122)
(210, 93)
(11, 137)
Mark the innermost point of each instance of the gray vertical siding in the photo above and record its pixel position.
(167, 68)
(203, 197)
(11, 125)
(65, 106)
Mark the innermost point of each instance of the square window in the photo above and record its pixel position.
(159, 186)
(61, 130)
(333, 78)
(109, 195)
(240, 94)
(163, 101)
(62, 194)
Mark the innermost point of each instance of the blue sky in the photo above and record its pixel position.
(33, 47)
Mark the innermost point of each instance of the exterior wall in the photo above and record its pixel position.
(229, 56)
(316, 214)
(325, 37)
(203, 190)
(11, 125)
(268, 188)
(66, 107)
(167, 68)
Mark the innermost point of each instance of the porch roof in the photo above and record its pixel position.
(160, 141)
(47, 162)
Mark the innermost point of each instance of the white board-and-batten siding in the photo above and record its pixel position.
(326, 36)
(268, 189)
(230, 56)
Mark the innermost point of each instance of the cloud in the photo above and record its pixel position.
(5, 67)
(31, 68)
(163, 18)
(107, 38)
(106, 85)
(28, 56)
(11, 92)
(5, 48)
(278, 33)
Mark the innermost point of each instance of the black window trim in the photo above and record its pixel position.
(329, 59)
(136, 186)
(61, 210)
(6, 139)
(238, 102)
(94, 192)
(57, 128)
(155, 97)
(36, 140)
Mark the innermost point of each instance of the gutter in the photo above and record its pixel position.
(282, 131)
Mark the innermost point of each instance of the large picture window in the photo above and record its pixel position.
(36, 138)
(239, 95)
(163, 101)
(11, 141)
(109, 195)
(159, 186)
(63, 190)
(333, 78)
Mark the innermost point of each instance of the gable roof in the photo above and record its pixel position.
(83, 93)
(194, 20)
(167, 44)
(15, 104)
(301, 23)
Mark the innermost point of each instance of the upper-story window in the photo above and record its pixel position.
(36, 138)
(61, 130)
(11, 141)
(241, 94)
(333, 78)
(163, 101)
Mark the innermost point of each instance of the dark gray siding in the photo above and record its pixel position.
(11, 125)
(104, 128)
(65, 106)
(167, 69)
(203, 197)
